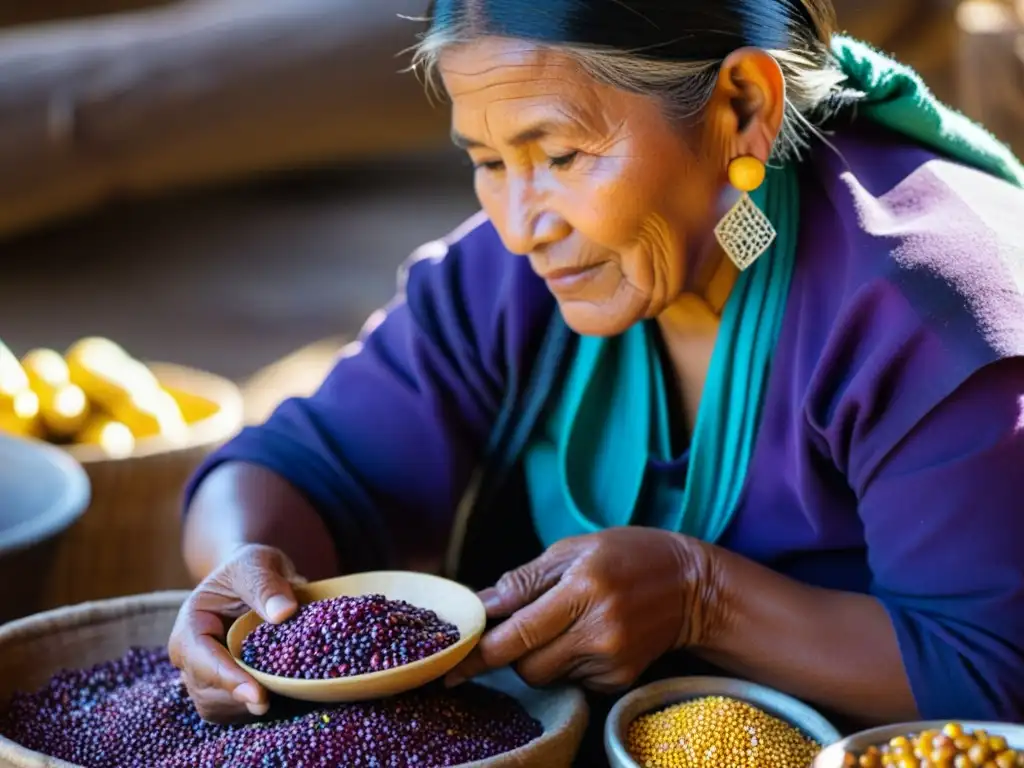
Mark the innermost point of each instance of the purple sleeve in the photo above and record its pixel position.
(387, 444)
(943, 521)
(924, 421)
(916, 399)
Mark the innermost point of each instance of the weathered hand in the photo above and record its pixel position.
(597, 609)
(256, 577)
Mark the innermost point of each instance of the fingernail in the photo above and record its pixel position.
(490, 598)
(277, 607)
(246, 693)
(257, 709)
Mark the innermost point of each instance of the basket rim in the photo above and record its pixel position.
(214, 429)
(74, 500)
(92, 613)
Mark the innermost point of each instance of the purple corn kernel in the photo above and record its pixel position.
(135, 713)
(346, 636)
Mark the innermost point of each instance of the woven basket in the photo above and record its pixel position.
(129, 540)
(34, 648)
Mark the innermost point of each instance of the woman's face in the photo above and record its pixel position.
(611, 201)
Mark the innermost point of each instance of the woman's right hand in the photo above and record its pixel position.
(256, 577)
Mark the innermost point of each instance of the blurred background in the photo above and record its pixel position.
(218, 182)
(223, 183)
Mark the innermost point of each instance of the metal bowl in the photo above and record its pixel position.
(42, 492)
(665, 693)
(832, 757)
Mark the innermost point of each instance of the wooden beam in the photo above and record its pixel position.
(991, 67)
(41, 11)
(201, 91)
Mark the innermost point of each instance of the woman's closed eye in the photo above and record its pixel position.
(488, 165)
(563, 161)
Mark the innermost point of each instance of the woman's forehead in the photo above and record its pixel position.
(523, 82)
(493, 62)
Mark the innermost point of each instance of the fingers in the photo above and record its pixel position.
(568, 658)
(216, 706)
(555, 661)
(220, 689)
(526, 630)
(262, 578)
(525, 584)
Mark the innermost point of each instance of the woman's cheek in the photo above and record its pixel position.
(491, 200)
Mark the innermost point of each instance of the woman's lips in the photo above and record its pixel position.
(569, 278)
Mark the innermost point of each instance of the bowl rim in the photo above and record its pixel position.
(470, 639)
(75, 497)
(217, 427)
(686, 688)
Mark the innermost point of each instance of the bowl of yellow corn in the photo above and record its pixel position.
(100, 403)
(712, 722)
(139, 429)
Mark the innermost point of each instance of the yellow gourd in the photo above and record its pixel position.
(19, 405)
(116, 440)
(19, 414)
(13, 378)
(63, 406)
(64, 410)
(45, 369)
(106, 375)
(151, 412)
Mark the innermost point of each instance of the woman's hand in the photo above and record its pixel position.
(256, 577)
(598, 609)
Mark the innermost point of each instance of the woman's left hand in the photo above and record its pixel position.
(598, 609)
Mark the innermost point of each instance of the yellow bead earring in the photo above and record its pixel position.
(745, 232)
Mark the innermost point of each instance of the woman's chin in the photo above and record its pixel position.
(588, 319)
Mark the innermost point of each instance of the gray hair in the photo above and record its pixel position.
(814, 84)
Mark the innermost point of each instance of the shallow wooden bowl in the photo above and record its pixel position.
(449, 600)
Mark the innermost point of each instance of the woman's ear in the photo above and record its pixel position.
(748, 104)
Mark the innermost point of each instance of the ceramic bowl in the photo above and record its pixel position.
(832, 757)
(42, 492)
(665, 693)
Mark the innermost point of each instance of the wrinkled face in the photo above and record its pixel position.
(609, 199)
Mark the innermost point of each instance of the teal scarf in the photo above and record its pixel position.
(586, 469)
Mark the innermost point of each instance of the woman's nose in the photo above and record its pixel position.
(531, 224)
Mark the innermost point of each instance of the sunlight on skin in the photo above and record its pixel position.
(613, 203)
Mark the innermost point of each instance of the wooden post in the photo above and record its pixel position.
(991, 71)
(201, 91)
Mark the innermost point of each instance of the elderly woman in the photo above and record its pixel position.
(729, 369)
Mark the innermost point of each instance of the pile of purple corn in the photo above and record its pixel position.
(136, 713)
(346, 636)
